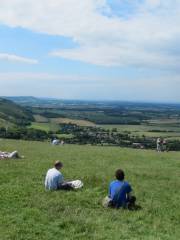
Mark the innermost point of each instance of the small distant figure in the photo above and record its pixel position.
(164, 145)
(120, 193)
(55, 181)
(159, 144)
(55, 141)
(10, 155)
(62, 142)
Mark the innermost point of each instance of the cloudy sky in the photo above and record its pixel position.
(91, 49)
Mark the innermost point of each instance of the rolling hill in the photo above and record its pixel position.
(13, 113)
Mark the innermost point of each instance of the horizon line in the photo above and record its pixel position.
(93, 100)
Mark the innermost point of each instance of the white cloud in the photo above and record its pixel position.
(44, 77)
(115, 56)
(15, 58)
(146, 38)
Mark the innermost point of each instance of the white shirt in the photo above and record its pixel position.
(55, 142)
(53, 179)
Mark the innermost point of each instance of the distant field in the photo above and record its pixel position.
(147, 130)
(170, 132)
(64, 136)
(160, 134)
(165, 121)
(50, 127)
(52, 124)
(45, 126)
(174, 138)
(73, 121)
(28, 212)
(41, 119)
(142, 127)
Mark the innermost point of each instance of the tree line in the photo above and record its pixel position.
(87, 135)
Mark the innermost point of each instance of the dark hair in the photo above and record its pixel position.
(119, 174)
(58, 164)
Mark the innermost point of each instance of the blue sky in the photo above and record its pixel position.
(91, 49)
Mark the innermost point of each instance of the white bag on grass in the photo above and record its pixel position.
(76, 184)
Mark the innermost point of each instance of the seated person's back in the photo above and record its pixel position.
(120, 191)
(55, 181)
(54, 177)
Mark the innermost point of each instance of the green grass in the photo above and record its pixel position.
(45, 126)
(160, 134)
(2, 122)
(28, 212)
(64, 136)
(5, 124)
(78, 122)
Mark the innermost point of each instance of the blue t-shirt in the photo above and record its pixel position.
(118, 191)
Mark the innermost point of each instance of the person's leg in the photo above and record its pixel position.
(65, 186)
(159, 148)
(131, 202)
(14, 154)
(164, 148)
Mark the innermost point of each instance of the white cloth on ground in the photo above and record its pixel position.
(76, 184)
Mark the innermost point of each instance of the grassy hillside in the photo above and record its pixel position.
(29, 212)
(13, 113)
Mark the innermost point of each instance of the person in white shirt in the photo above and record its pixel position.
(54, 179)
(159, 145)
(55, 142)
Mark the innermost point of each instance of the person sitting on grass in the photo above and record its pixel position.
(55, 181)
(120, 193)
(55, 141)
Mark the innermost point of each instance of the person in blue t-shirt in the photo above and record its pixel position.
(120, 192)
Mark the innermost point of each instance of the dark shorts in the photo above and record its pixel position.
(65, 186)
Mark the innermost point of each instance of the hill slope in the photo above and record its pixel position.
(29, 212)
(13, 113)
